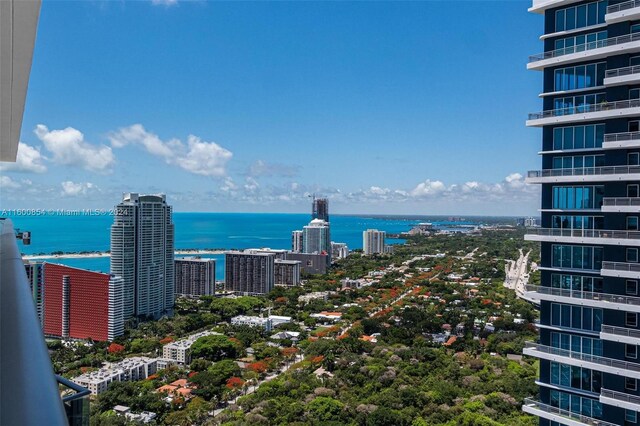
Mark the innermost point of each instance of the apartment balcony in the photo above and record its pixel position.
(620, 399)
(622, 76)
(615, 302)
(620, 270)
(627, 11)
(586, 112)
(621, 140)
(620, 334)
(539, 6)
(594, 362)
(584, 174)
(584, 236)
(620, 205)
(559, 415)
(628, 43)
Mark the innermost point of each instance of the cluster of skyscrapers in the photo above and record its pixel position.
(315, 238)
(145, 278)
(257, 271)
(80, 304)
(590, 210)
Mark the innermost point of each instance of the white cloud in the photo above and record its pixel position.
(427, 188)
(204, 158)
(198, 156)
(29, 160)
(263, 168)
(164, 2)
(251, 184)
(72, 189)
(7, 183)
(229, 185)
(69, 148)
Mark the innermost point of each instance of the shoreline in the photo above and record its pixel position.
(193, 252)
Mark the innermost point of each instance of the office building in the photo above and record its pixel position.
(590, 179)
(530, 222)
(180, 351)
(195, 276)
(316, 238)
(311, 263)
(249, 273)
(296, 241)
(339, 250)
(127, 370)
(373, 241)
(81, 304)
(142, 244)
(287, 272)
(35, 276)
(320, 209)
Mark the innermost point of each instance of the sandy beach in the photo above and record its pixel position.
(188, 252)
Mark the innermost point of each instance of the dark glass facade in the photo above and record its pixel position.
(588, 292)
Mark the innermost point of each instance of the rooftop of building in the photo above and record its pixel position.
(186, 342)
(113, 369)
(318, 222)
(195, 259)
(246, 253)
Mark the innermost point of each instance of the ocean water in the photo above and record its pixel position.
(203, 231)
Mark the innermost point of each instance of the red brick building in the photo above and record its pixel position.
(81, 304)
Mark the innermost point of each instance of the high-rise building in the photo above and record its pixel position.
(35, 276)
(588, 292)
(142, 241)
(373, 241)
(339, 250)
(195, 276)
(316, 238)
(81, 304)
(287, 272)
(311, 263)
(296, 241)
(320, 209)
(249, 273)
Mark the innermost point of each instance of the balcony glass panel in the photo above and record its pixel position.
(562, 315)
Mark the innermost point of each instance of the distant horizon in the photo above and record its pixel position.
(7, 213)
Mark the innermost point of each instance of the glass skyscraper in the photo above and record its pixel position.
(590, 180)
(142, 246)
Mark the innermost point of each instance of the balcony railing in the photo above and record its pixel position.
(620, 331)
(623, 6)
(621, 201)
(584, 108)
(584, 233)
(76, 402)
(565, 413)
(585, 295)
(622, 137)
(614, 41)
(621, 266)
(594, 359)
(621, 72)
(585, 171)
(620, 396)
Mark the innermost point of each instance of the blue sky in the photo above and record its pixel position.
(385, 107)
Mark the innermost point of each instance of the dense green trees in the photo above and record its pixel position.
(215, 347)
